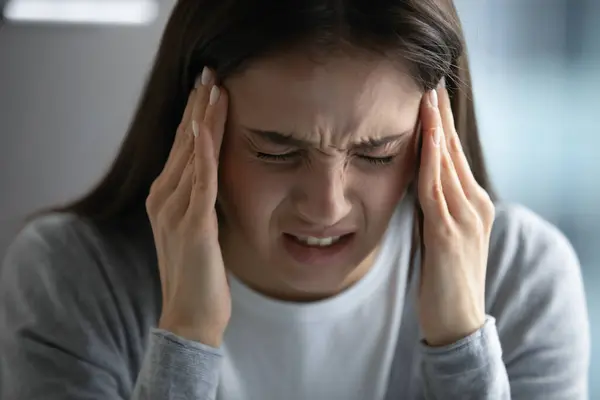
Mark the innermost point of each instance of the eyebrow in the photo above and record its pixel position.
(285, 139)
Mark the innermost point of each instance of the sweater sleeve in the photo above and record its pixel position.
(535, 344)
(177, 368)
(62, 334)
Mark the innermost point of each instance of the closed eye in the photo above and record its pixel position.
(277, 157)
(378, 160)
(292, 155)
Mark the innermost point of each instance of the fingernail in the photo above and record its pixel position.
(215, 92)
(198, 82)
(195, 128)
(436, 136)
(433, 98)
(206, 75)
(442, 83)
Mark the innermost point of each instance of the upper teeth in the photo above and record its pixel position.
(313, 241)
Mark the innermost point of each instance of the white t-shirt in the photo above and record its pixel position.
(338, 348)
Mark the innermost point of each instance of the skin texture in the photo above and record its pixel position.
(327, 183)
(332, 105)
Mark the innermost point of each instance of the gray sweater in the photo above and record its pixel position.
(79, 305)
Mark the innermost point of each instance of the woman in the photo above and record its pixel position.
(353, 249)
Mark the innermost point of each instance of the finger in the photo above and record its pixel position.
(431, 194)
(179, 201)
(445, 109)
(454, 194)
(457, 155)
(187, 114)
(204, 186)
(418, 147)
(194, 113)
(216, 116)
(180, 157)
(206, 83)
(183, 131)
(167, 180)
(458, 205)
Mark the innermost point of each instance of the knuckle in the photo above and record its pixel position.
(446, 160)
(208, 174)
(471, 222)
(486, 205)
(165, 216)
(482, 194)
(436, 192)
(155, 185)
(186, 139)
(152, 201)
(454, 143)
(470, 216)
(446, 232)
(204, 127)
(150, 205)
(204, 183)
(180, 130)
(478, 226)
(200, 180)
(490, 213)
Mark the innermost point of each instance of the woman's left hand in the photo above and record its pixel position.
(458, 218)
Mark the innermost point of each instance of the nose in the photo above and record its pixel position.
(321, 200)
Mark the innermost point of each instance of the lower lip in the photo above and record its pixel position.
(317, 255)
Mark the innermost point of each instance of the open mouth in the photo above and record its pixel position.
(312, 241)
(317, 242)
(318, 250)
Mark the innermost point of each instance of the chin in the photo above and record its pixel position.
(316, 282)
(311, 288)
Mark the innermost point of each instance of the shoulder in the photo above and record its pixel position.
(63, 263)
(66, 244)
(74, 291)
(534, 286)
(46, 232)
(525, 245)
(517, 225)
(47, 247)
(53, 235)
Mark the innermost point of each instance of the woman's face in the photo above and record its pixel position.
(313, 149)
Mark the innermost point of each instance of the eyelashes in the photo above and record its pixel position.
(379, 160)
(274, 157)
(288, 157)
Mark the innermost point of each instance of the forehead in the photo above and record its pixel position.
(347, 95)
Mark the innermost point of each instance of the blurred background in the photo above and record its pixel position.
(70, 78)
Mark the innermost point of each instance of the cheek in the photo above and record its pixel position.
(381, 192)
(249, 195)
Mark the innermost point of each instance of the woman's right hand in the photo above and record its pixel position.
(181, 207)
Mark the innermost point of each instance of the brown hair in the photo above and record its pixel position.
(228, 34)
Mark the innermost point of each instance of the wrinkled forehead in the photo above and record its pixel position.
(339, 96)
